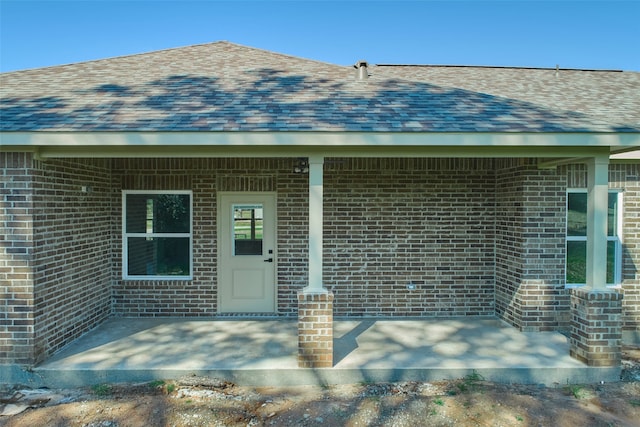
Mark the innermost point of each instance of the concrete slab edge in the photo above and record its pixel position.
(17, 375)
(13, 374)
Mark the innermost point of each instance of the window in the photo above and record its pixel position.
(248, 224)
(576, 267)
(156, 228)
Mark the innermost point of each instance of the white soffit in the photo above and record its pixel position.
(628, 155)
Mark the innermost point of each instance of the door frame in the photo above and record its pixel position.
(222, 228)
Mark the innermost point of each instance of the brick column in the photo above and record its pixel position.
(315, 330)
(596, 326)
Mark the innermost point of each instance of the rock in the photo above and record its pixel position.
(101, 424)
(13, 409)
(196, 381)
(24, 399)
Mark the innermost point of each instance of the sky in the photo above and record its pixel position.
(532, 33)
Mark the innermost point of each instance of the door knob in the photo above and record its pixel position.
(268, 260)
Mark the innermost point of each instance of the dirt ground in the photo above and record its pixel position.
(197, 401)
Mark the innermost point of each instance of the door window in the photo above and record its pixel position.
(248, 223)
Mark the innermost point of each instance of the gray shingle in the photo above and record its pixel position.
(226, 87)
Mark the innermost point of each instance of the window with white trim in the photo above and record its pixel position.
(156, 234)
(576, 255)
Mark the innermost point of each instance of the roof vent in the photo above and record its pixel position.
(361, 70)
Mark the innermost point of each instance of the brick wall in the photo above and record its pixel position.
(431, 223)
(17, 317)
(293, 243)
(509, 242)
(425, 222)
(205, 177)
(151, 298)
(625, 177)
(72, 268)
(530, 246)
(393, 222)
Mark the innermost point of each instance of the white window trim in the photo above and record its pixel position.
(618, 238)
(125, 235)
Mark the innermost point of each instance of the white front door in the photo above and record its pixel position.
(246, 252)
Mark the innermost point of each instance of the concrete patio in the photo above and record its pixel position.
(263, 352)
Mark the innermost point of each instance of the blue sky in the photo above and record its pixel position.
(534, 33)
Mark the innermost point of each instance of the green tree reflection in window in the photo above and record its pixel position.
(576, 262)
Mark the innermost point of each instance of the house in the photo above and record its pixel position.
(218, 179)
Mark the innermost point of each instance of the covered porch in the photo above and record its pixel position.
(263, 351)
(403, 233)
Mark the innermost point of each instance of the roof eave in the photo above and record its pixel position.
(330, 144)
(314, 138)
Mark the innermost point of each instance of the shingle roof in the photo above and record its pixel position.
(227, 87)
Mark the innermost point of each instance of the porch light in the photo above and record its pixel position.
(302, 166)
